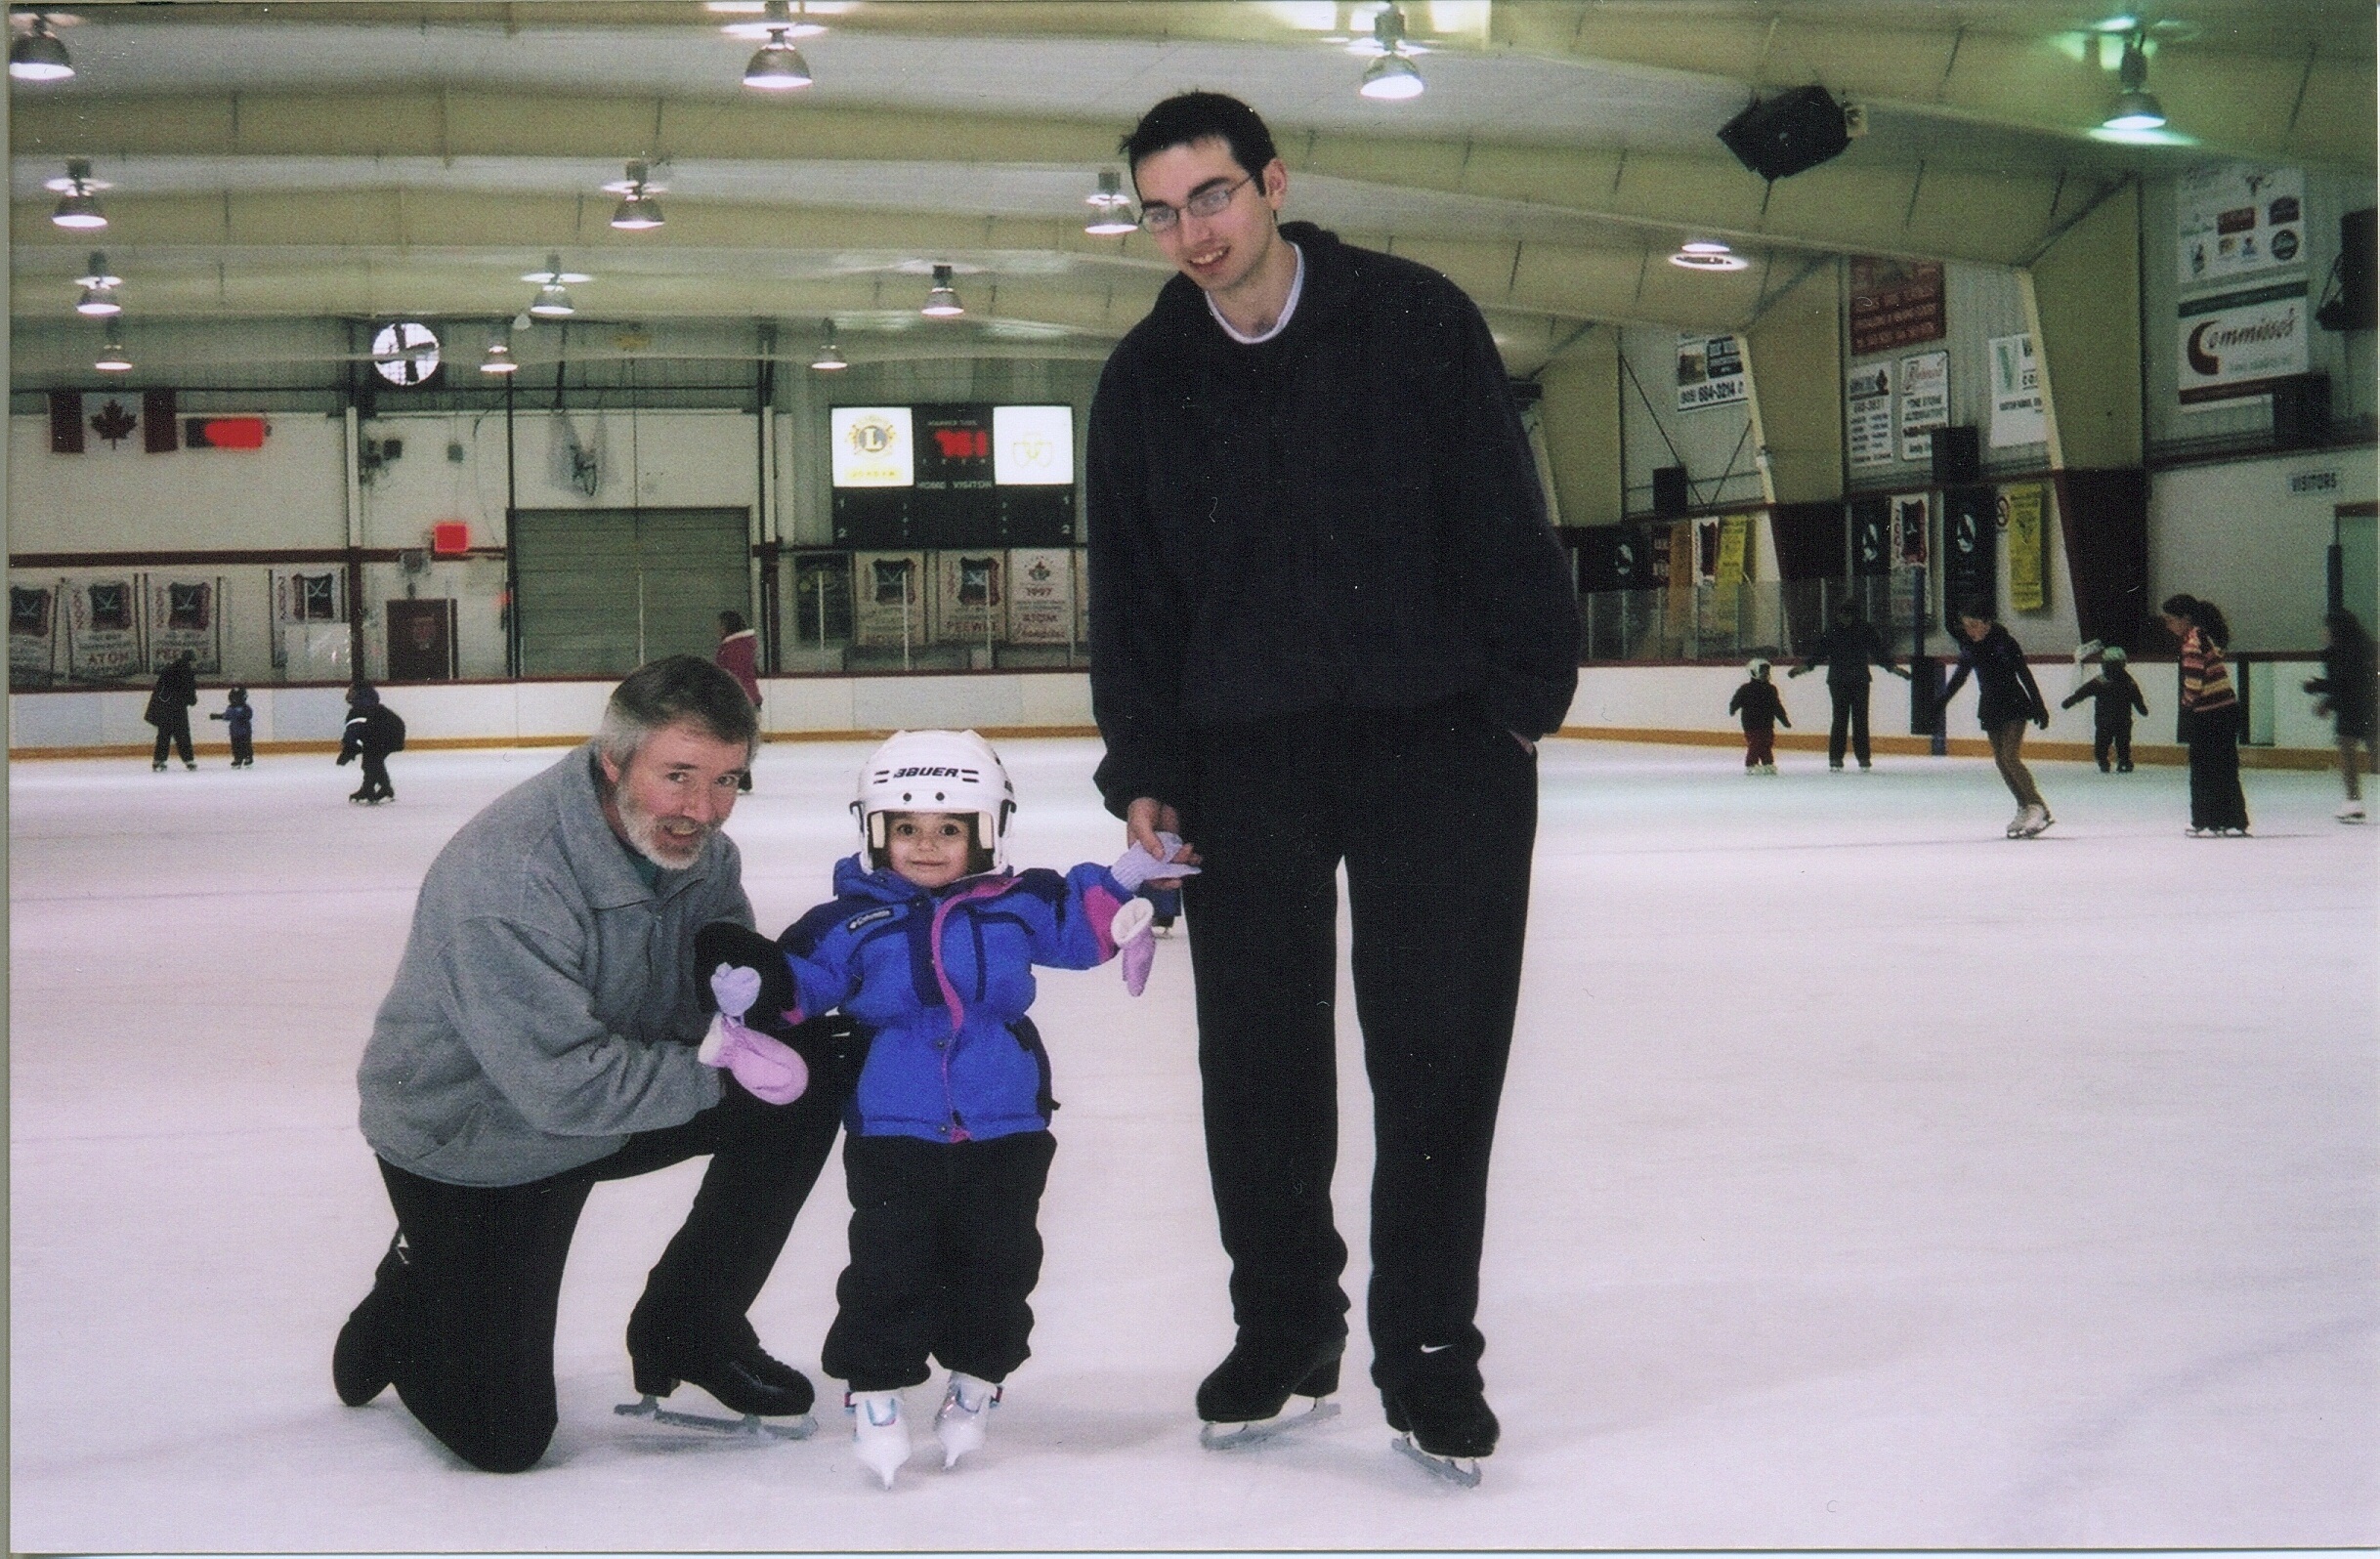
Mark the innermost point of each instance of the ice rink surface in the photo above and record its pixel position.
(1866, 1180)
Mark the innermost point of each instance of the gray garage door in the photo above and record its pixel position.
(602, 591)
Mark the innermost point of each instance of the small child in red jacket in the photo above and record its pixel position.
(1763, 711)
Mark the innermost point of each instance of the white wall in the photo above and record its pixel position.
(2235, 535)
(290, 494)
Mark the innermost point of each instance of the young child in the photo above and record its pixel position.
(239, 722)
(2116, 695)
(1763, 711)
(930, 943)
(373, 732)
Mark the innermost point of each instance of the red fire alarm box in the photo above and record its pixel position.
(450, 539)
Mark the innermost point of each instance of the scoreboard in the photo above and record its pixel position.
(953, 476)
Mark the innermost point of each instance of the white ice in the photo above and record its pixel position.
(1866, 1180)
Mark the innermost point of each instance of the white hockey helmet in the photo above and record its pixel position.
(1755, 668)
(936, 771)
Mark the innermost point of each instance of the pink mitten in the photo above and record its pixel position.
(735, 989)
(770, 1070)
(1138, 955)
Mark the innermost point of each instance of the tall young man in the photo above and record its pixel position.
(1329, 623)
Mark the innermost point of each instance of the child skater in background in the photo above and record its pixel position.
(2114, 695)
(930, 942)
(2006, 696)
(373, 732)
(2210, 712)
(2344, 691)
(1763, 711)
(240, 723)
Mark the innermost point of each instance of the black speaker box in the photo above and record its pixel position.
(1958, 456)
(1788, 133)
(2357, 307)
(1671, 496)
(2301, 411)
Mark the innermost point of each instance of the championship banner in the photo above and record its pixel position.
(1709, 371)
(1867, 395)
(1041, 595)
(1970, 569)
(1912, 525)
(1924, 403)
(103, 629)
(889, 593)
(2017, 416)
(1730, 569)
(304, 597)
(32, 633)
(1872, 551)
(184, 615)
(2027, 550)
(970, 597)
(2232, 345)
(2238, 219)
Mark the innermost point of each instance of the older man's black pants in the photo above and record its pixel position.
(468, 1293)
(1433, 813)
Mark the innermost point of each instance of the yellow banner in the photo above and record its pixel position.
(2028, 557)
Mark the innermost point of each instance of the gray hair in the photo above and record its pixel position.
(673, 690)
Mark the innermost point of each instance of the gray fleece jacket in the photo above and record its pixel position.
(546, 1006)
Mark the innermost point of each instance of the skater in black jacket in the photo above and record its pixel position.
(1757, 700)
(2344, 691)
(2007, 697)
(1846, 651)
(2115, 696)
(169, 709)
(373, 732)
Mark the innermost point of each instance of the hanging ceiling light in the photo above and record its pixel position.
(638, 211)
(779, 67)
(76, 207)
(112, 357)
(500, 358)
(553, 302)
(829, 359)
(37, 55)
(2136, 108)
(941, 303)
(1707, 254)
(1111, 208)
(1393, 75)
(99, 298)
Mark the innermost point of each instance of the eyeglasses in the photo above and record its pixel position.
(1207, 202)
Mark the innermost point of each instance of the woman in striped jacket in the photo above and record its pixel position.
(2210, 715)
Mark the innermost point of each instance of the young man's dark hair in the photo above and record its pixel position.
(1193, 117)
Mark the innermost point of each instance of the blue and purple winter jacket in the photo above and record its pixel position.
(944, 979)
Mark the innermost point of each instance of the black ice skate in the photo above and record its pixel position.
(1244, 1398)
(1444, 1426)
(735, 1369)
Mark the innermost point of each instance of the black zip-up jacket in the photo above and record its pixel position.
(2006, 693)
(1761, 705)
(2114, 696)
(1346, 516)
(1847, 649)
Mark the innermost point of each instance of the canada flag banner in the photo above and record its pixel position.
(78, 420)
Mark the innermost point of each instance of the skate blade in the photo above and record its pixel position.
(1455, 1470)
(1214, 1437)
(751, 1425)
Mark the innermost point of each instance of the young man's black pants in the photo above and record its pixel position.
(1433, 812)
(469, 1291)
(1851, 719)
(946, 1248)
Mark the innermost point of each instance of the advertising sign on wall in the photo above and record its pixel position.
(1970, 569)
(1868, 414)
(2028, 553)
(1894, 302)
(2230, 345)
(1924, 403)
(1709, 371)
(2016, 413)
(2237, 221)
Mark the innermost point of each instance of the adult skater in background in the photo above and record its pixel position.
(2210, 718)
(2344, 691)
(738, 655)
(169, 709)
(2114, 696)
(541, 1036)
(1329, 623)
(1847, 649)
(2006, 697)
